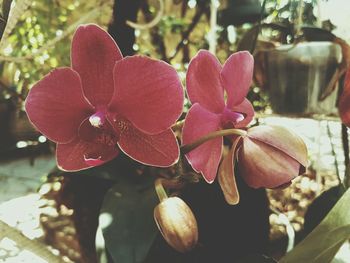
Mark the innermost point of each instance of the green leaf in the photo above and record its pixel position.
(129, 206)
(325, 240)
(321, 206)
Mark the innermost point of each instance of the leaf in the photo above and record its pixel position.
(320, 207)
(325, 240)
(128, 207)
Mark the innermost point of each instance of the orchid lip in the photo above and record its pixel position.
(93, 161)
(231, 116)
(98, 134)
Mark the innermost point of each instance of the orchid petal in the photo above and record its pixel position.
(56, 106)
(283, 140)
(262, 165)
(94, 54)
(206, 157)
(203, 82)
(148, 93)
(160, 150)
(344, 101)
(246, 108)
(237, 75)
(226, 175)
(79, 155)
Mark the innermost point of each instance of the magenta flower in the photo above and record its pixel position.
(105, 100)
(207, 82)
(267, 156)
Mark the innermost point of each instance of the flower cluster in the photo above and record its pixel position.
(266, 156)
(105, 103)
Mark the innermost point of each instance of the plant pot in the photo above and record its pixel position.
(298, 76)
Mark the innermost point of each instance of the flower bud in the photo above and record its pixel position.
(177, 224)
(271, 156)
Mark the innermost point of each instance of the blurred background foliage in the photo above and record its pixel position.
(37, 37)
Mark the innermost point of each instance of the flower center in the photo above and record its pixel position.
(107, 137)
(230, 118)
(97, 129)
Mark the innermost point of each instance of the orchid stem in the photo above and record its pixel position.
(189, 147)
(160, 183)
(162, 195)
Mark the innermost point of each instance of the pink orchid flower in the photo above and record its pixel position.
(104, 100)
(267, 156)
(207, 82)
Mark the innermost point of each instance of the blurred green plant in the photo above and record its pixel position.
(36, 37)
(36, 40)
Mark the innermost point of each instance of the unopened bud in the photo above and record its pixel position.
(177, 224)
(271, 156)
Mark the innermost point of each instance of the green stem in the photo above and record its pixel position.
(189, 147)
(162, 195)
